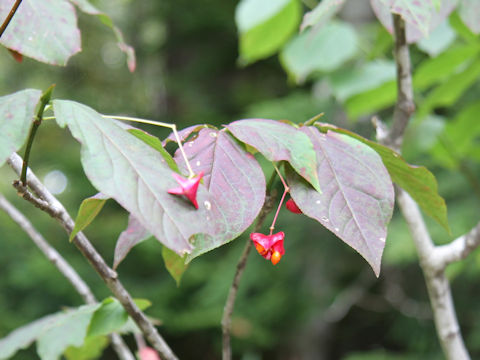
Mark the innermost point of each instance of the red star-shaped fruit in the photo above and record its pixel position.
(293, 207)
(269, 246)
(188, 187)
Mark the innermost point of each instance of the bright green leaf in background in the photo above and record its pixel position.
(372, 100)
(320, 50)
(264, 26)
(470, 14)
(438, 40)
(174, 263)
(91, 349)
(321, 13)
(88, 211)
(16, 116)
(352, 81)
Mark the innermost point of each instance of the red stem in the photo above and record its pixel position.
(286, 190)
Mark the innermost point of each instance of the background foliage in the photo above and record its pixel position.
(188, 73)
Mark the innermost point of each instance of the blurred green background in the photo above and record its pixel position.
(322, 301)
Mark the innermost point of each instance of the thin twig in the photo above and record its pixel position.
(459, 248)
(242, 262)
(63, 267)
(109, 276)
(9, 17)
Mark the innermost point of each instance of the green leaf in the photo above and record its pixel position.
(69, 329)
(416, 180)
(372, 100)
(88, 211)
(447, 93)
(110, 317)
(434, 70)
(278, 141)
(155, 142)
(438, 40)
(321, 13)
(264, 26)
(469, 12)
(88, 8)
(92, 349)
(352, 81)
(316, 51)
(16, 115)
(174, 263)
(43, 30)
(461, 29)
(123, 167)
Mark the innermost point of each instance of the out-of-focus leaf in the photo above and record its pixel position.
(321, 13)
(43, 30)
(125, 168)
(372, 100)
(70, 329)
(88, 211)
(353, 81)
(314, 50)
(92, 349)
(434, 70)
(24, 336)
(110, 317)
(421, 17)
(447, 93)
(174, 263)
(416, 180)
(16, 116)
(421, 136)
(234, 180)
(278, 141)
(459, 138)
(439, 39)
(88, 8)
(264, 26)
(134, 234)
(469, 11)
(357, 199)
(461, 29)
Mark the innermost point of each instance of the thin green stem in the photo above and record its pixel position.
(44, 100)
(9, 17)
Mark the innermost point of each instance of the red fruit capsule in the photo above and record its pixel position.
(293, 207)
(269, 246)
(187, 188)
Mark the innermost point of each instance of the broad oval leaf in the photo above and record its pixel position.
(278, 141)
(16, 116)
(264, 26)
(234, 180)
(136, 175)
(88, 211)
(320, 50)
(416, 180)
(43, 30)
(357, 199)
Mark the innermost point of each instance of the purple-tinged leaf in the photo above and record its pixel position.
(470, 14)
(278, 141)
(16, 116)
(421, 16)
(416, 180)
(88, 8)
(183, 134)
(174, 263)
(88, 211)
(134, 174)
(43, 30)
(234, 180)
(134, 234)
(357, 199)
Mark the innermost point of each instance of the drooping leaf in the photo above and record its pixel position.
(321, 13)
(369, 76)
(88, 8)
(319, 50)
(125, 168)
(16, 116)
(234, 180)
(88, 211)
(43, 30)
(357, 199)
(174, 263)
(134, 234)
(70, 329)
(91, 349)
(469, 11)
(23, 337)
(421, 17)
(264, 26)
(416, 180)
(278, 141)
